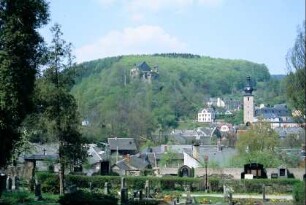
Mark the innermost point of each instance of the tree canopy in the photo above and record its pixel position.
(296, 79)
(258, 144)
(20, 51)
(115, 104)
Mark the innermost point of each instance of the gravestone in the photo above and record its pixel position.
(228, 193)
(147, 189)
(38, 195)
(124, 192)
(2, 183)
(90, 186)
(140, 195)
(17, 182)
(106, 188)
(188, 195)
(9, 183)
(135, 194)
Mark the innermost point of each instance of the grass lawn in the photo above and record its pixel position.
(221, 201)
(26, 197)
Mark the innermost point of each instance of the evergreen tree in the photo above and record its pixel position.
(20, 51)
(57, 108)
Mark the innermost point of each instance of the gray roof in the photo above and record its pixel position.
(122, 144)
(144, 67)
(133, 162)
(41, 157)
(279, 110)
(95, 154)
(284, 131)
(157, 152)
(220, 157)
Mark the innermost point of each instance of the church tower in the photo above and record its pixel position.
(248, 103)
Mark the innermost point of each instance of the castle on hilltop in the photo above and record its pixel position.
(144, 71)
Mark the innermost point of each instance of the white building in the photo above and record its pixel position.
(206, 115)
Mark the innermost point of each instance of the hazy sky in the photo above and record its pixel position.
(261, 31)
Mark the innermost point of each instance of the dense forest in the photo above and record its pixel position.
(114, 104)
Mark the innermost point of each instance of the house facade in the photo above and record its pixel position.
(206, 115)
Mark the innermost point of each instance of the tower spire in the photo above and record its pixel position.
(248, 89)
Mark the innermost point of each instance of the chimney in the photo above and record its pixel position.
(128, 157)
(195, 150)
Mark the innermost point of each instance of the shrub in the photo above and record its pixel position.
(299, 193)
(49, 182)
(16, 197)
(83, 197)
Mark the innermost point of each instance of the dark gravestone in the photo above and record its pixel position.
(135, 194)
(38, 195)
(282, 172)
(124, 192)
(124, 196)
(274, 176)
(140, 195)
(2, 183)
(105, 168)
(17, 182)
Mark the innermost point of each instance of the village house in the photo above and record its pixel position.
(216, 102)
(122, 146)
(98, 160)
(206, 115)
(279, 116)
(203, 134)
(135, 165)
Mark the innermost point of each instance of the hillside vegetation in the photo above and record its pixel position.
(115, 104)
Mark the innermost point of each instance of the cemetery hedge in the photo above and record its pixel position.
(272, 186)
(172, 183)
(299, 193)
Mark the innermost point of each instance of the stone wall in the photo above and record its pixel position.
(235, 173)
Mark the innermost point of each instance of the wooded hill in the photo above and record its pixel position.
(114, 103)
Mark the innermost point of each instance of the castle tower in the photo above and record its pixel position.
(248, 103)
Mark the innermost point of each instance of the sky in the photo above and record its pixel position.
(261, 31)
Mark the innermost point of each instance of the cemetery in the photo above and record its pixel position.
(128, 190)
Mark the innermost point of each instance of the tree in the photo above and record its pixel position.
(20, 52)
(296, 78)
(258, 144)
(168, 158)
(260, 137)
(57, 107)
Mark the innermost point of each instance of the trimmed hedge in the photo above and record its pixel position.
(254, 185)
(172, 183)
(164, 183)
